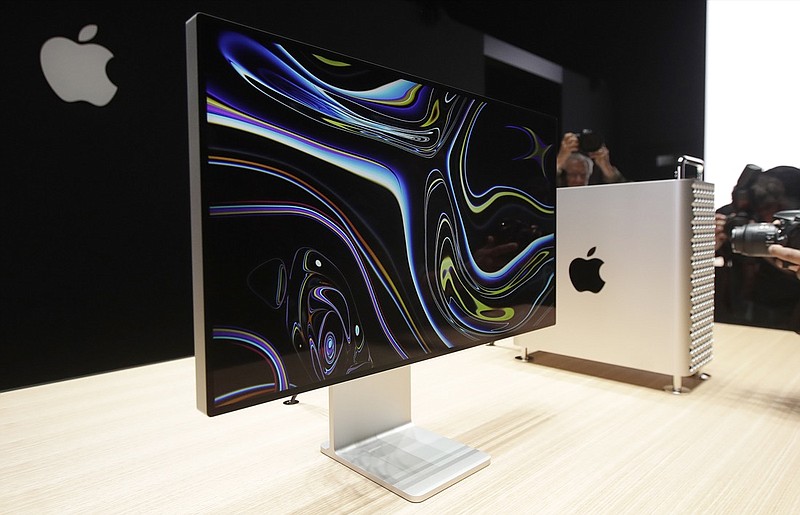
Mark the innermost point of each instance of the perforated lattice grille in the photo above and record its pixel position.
(701, 337)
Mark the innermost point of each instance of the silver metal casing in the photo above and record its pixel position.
(656, 307)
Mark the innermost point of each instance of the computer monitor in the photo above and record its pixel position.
(349, 220)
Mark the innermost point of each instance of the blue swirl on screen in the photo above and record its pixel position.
(239, 210)
(362, 218)
(399, 112)
(269, 356)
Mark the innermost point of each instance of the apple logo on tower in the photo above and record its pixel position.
(585, 273)
(77, 70)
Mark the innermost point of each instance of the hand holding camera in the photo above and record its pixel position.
(789, 256)
(569, 144)
(586, 142)
(592, 145)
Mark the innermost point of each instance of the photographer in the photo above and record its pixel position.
(578, 156)
(756, 288)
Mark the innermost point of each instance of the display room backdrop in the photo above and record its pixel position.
(96, 255)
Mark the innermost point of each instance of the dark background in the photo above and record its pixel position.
(644, 60)
(96, 270)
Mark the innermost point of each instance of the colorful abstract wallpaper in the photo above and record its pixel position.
(354, 218)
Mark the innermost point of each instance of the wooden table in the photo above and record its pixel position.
(565, 437)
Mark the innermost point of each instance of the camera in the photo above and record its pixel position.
(755, 239)
(589, 141)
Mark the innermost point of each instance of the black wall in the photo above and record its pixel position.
(643, 64)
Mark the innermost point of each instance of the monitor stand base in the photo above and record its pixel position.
(372, 433)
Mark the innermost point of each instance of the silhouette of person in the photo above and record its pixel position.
(761, 291)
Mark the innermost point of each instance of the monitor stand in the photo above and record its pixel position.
(371, 432)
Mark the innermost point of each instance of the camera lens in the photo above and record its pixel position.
(589, 141)
(754, 239)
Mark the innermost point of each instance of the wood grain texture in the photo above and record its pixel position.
(565, 436)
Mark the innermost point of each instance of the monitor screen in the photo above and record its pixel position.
(348, 218)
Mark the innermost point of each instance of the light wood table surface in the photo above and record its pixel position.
(564, 436)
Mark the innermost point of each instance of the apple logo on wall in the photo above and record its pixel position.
(77, 70)
(585, 273)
